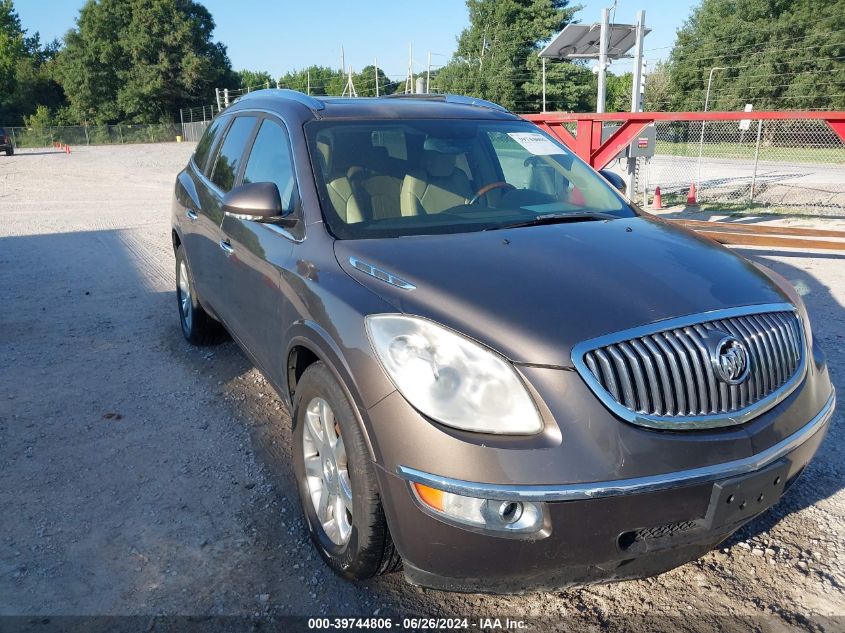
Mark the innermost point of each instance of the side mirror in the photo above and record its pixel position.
(255, 201)
(615, 179)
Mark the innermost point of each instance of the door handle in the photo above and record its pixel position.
(227, 248)
(191, 215)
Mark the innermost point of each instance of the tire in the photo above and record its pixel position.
(10, 151)
(368, 550)
(197, 326)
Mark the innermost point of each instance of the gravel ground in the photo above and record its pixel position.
(141, 476)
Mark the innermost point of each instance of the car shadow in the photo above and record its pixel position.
(26, 152)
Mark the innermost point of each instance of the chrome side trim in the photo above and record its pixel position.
(638, 485)
(383, 275)
(682, 423)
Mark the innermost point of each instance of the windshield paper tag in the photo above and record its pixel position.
(535, 143)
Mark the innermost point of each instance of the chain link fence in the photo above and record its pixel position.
(194, 121)
(92, 134)
(789, 165)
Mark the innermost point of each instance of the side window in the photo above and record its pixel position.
(207, 142)
(229, 156)
(270, 161)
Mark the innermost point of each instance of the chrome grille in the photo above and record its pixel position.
(663, 376)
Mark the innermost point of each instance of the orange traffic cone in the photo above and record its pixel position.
(67, 149)
(658, 201)
(691, 195)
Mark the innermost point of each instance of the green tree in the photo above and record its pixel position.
(141, 60)
(25, 69)
(12, 46)
(658, 88)
(321, 80)
(776, 54)
(254, 79)
(496, 58)
(365, 82)
(618, 94)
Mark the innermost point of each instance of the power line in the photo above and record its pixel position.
(731, 39)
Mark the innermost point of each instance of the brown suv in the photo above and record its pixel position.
(501, 373)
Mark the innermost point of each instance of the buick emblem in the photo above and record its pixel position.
(729, 358)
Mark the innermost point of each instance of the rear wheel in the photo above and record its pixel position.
(10, 151)
(336, 480)
(197, 326)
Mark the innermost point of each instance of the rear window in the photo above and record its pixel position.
(207, 142)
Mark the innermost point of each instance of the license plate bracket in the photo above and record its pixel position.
(740, 498)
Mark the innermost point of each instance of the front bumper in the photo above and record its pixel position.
(597, 532)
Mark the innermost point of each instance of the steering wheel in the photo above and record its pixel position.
(487, 188)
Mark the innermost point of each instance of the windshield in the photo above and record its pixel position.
(395, 178)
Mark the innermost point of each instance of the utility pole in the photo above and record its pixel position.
(308, 80)
(375, 65)
(217, 94)
(600, 99)
(409, 80)
(428, 75)
(636, 92)
(636, 98)
(349, 89)
(544, 83)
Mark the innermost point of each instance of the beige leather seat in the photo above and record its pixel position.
(344, 196)
(442, 186)
(382, 186)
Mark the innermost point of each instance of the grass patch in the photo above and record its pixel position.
(745, 151)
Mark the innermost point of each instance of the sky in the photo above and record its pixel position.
(280, 35)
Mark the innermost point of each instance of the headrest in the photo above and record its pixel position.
(323, 154)
(438, 164)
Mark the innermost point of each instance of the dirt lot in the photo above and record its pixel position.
(141, 476)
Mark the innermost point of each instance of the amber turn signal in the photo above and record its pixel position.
(430, 496)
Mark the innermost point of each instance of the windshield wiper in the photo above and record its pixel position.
(558, 218)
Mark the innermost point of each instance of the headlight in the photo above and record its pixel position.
(451, 378)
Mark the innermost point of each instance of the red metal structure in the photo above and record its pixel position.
(587, 141)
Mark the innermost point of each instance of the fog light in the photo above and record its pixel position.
(518, 517)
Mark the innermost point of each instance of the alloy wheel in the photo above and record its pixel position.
(185, 295)
(327, 471)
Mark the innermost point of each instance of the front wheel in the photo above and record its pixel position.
(336, 480)
(197, 326)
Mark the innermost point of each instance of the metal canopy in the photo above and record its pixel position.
(581, 41)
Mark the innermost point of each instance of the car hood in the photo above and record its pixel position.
(532, 293)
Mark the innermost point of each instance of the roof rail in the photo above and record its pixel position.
(291, 95)
(450, 98)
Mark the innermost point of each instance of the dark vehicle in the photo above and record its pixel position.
(6, 144)
(502, 375)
